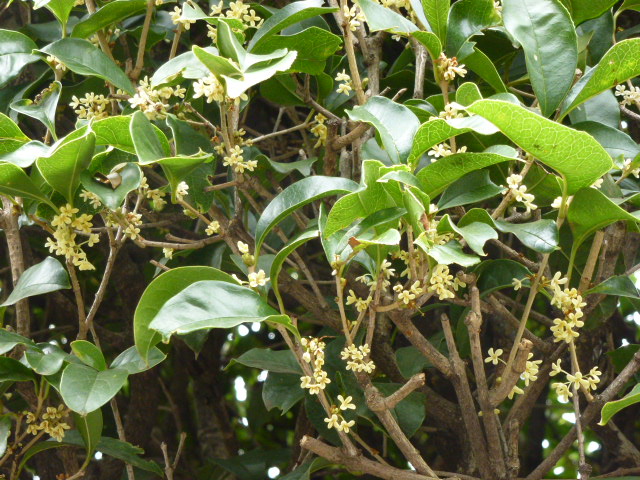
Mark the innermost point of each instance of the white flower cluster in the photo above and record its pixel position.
(450, 68)
(409, 295)
(237, 161)
(319, 130)
(353, 16)
(585, 382)
(153, 102)
(212, 228)
(66, 224)
(443, 150)
(91, 106)
(443, 283)
(519, 191)
(314, 355)
(336, 420)
(257, 279)
(357, 358)
(210, 88)
(630, 96)
(155, 195)
(629, 169)
(346, 84)
(361, 304)
(570, 302)
(450, 112)
(178, 19)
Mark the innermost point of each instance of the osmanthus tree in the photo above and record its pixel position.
(390, 239)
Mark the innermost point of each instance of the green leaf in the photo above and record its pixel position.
(131, 361)
(128, 176)
(591, 210)
(84, 389)
(476, 234)
(60, 8)
(396, 124)
(278, 361)
(13, 371)
(620, 286)
(431, 42)
(482, 65)
(466, 19)
(116, 132)
(603, 108)
(541, 235)
(298, 195)
(216, 64)
(187, 140)
(5, 431)
(473, 187)
(448, 253)
(44, 110)
(15, 183)
(468, 93)
(282, 255)
(499, 274)
(147, 146)
(83, 58)
(158, 292)
(614, 141)
(90, 428)
(15, 54)
(582, 10)
(619, 64)
(45, 358)
(109, 14)
(185, 64)
(89, 354)
(25, 155)
(577, 156)
(8, 340)
(437, 13)
(294, 12)
(410, 361)
(437, 176)
(281, 390)
(382, 18)
(611, 408)
(303, 166)
(410, 412)
(211, 304)
(629, 5)
(11, 137)
(44, 277)
(548, 38)
(62, 168)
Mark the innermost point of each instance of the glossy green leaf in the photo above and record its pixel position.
(281, 390)
(466, 19)
(158, 292)
(131, 361)
(611, 408)
(45, 359)
(208, 304)
(548, 38)
(147, 146)
(110, 13)
(82, 57)
(603, 108)
(11, 137)
(8, 340)
(582, 10)
(5, 431)
(378, 222)
(482, 65)
(620, 286)
(629, 5)
(591, 210)
(15, 183)
(437, 176)
(278, 361)
(128, 179)
(60, 8)
(90, 428)
(282, 255)
(62, 167)
(13, 371)
(15, 54)
(187, 140)
(186, 64)
(291, 14)
(499, 274)
(302, 166)
(396, 124)
(85, 389)
(410, 361)
(44, 110)
(431, 42)
(448, 253)
(473, 187)
(618, 65)
(25, 155)
(89, 354)
(437, 13)
(44, 277)
(297, 195)
(467, 93)
(410, 412)
(380, 17)
(476, 234)
(614, 141)
(577, 156)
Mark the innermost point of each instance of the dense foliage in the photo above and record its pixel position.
(380, 238)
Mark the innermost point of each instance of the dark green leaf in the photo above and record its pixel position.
(90, 428)
(89, 354)
(129, 177)
(45, 359)
(13, 371)
(476, 234)
(5, 431)
(411, 361)
(303, 166)
(47, 276)
(60, 8)
(147, 146)
(84, 389)
(25, 155)
(110, 13)
(278, 361)
(473, 187)
(611, 408)
(15, 53)
(620, 286)
(131, 361)
(281, 390)
(614, 141)
(44, 109)
(482, 65)
(466, 19)
(15, 183)
(8, 340)
(499, 274)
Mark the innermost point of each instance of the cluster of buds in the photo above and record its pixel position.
(314, 355)
(153, 101)
(357, 358)
(519, 192)
(91, 106)
(336, 420)
(449, 67)
(66, 225)
(585, 382)
(50, 422)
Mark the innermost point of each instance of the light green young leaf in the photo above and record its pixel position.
(383, 18)
(62, 167)
(431, 42)
(467, 93)
(110, 13)
(60, 8)
(466, 19)
(185, 64)
(298, 195)
(548, 38)
(629, 5)
(158, 292)
(44, 110)
(396, 124)
(85, 389)
(577, 156)
(89, 354)
(448, 253)
(437, 13)
(611, 408)
(44, 277)
(208, 304)
(303, 166)
(15, 54)
(15, 183)
(618, 65)
(11, 137)
(82, 57)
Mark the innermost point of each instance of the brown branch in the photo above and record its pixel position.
(142, 45)
(511, 373)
